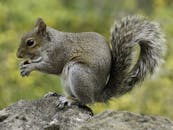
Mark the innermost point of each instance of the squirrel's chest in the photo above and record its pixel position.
(66, 79)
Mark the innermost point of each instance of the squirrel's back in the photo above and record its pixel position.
(89, 47)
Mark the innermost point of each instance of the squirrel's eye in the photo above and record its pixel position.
(30, 42)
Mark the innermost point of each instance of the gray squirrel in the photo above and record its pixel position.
(91, 69)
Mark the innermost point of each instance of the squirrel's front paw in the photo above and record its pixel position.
(25, 69)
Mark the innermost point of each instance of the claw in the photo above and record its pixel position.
(65, 102)
(62, 102)
(24, 73)
(51, 94)
(25, 68)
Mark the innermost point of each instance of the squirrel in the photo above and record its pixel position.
(91, 69)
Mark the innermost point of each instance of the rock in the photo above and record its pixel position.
(42, 114)
(123, 120)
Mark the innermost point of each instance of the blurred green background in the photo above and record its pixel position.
(155, 96)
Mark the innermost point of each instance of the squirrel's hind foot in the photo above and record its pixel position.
(51, 94)
(63, 102)
(68, 101)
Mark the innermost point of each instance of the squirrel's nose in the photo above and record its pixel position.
(19, 54)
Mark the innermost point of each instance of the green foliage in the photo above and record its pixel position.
(19, 16)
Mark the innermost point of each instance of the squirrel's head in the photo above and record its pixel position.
(32, 42)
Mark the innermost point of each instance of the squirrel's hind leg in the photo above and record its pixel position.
(82, 82)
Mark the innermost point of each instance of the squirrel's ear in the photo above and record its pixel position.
(40, 26)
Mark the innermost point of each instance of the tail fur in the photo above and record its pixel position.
(125, 35)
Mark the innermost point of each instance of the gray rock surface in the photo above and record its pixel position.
(42, 114)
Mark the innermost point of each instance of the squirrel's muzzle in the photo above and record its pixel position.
(19, 54)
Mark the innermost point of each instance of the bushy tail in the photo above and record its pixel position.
(125, 35)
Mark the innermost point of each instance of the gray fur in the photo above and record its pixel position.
(85, 61)
(125, 35)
